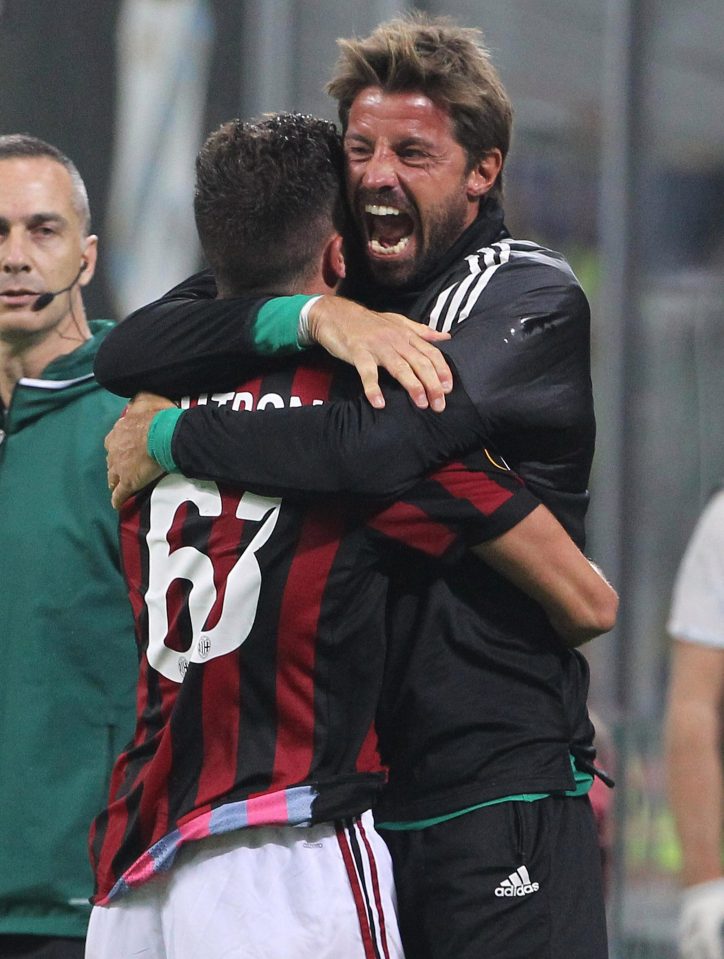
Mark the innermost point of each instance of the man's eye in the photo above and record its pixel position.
(43, 231)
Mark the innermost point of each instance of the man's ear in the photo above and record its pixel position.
(483, 175)
(88, 257)
(333, 265)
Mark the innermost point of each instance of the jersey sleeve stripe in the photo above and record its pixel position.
(479, 489)
(468, 290)
(411, 526)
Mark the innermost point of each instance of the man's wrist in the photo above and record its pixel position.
(160, 438)
(304, 336)
(278, 323)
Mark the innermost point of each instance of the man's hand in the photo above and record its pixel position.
(130, 468)
(368, 340)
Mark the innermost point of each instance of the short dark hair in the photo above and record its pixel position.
(21, 146)
(447, 63)
(268, 194)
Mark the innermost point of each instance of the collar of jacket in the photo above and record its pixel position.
(60, 383)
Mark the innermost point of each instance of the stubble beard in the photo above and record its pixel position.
(444, 226)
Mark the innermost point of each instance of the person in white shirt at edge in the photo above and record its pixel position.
(694, 745)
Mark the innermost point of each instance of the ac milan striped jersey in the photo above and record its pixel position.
(260, 625)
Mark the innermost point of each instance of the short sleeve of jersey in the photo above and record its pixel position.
(462, 504)
(697, 610)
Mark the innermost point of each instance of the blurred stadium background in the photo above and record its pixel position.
(618, 161)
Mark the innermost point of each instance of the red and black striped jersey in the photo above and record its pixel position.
(261, 632)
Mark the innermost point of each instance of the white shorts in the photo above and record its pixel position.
(269, 892)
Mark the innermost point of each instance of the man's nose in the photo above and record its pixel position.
(13, 255)
(381, 170)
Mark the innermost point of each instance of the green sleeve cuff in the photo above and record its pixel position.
(160, 437)
(277, 324)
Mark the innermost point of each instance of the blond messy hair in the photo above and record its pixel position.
(447, 63)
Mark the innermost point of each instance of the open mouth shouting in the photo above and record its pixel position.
(389, 229)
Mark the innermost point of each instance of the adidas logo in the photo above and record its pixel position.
(517, 884)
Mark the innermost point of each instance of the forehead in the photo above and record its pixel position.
(30, 185)
(375, 112)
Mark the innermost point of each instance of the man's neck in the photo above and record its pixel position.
(28, 357)
(313, 285)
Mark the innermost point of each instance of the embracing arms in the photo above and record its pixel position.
(189, 341)
(535, 553)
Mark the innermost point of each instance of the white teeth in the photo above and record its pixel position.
(377, 247)
(382, 210)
